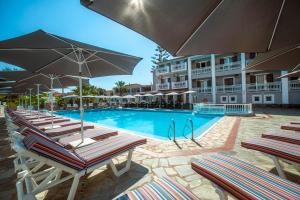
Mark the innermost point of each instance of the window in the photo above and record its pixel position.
(224, 99)
(252, 79)
(270, 78)
(269, 98)
(229, 81)
(203, 64)
(256, 99)
(221, 60)
(208, 83)
(252, 55)
(232, 99)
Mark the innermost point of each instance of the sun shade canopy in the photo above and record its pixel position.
(208, 26)
(281, 59)
(42, 52)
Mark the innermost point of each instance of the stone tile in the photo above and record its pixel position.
(159, 172)
(170, 171)
(178, 160)
(163, 162)
(184, 170)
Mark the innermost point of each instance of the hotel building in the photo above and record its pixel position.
(222, 79)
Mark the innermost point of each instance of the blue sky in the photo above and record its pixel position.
(69, 19)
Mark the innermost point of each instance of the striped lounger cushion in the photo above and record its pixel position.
(291, 127)
(245, 181)
(293, 138)
(161, 189)
(53, 151)
(276, 148)
(41, 123)
(67, 129)
(103, 150)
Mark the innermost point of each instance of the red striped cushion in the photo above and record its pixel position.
(53, 151)
(161, 189)
(293, 138)
(291, 127)
(245, 181)
(273, 147)
(67, 129)
(109, 147)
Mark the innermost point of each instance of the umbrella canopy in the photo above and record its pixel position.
(172, 93)
(291, 74)
(282, 59)
(89, 96)
(115, 97)
(148, 95)
(189, 92)
(128, 97)
(46, 53)
(159, 94)
(102, 97)
(138, 95)
(207, 26)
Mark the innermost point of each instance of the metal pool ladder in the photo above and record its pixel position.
(172, 127)
(189, 124)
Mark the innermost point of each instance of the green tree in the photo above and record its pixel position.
(160, 55)
(120, 87)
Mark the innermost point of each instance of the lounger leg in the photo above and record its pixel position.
(221, 192)
(74, 187)
(279, 167)
(125, 169)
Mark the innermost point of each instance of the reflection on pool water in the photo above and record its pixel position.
(152, 123)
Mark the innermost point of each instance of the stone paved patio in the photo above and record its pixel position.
(158, 158)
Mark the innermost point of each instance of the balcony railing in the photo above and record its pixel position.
(294, 85)
(179, 85)
(203, 70)
(228, 66)
(204, 90)
(230, 109)
(229, 88)
(275, 86)
(179, 67)
(162, 70)
(163, 86)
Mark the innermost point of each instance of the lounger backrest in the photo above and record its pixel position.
(53, 151)
(29, 131)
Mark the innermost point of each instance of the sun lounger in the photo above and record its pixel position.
(74, 164)
(242, 180)
(43, 119)
(58, 125)
(293, 138)
(291, 127)
(275, 150)
(46, 122)
(160, 189)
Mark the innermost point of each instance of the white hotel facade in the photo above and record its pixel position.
(222, 79)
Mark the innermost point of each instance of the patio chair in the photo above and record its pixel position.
(243, 180)
(276, 150)
(160, 189)
(293, 138)
(73, 163)
(291, 127)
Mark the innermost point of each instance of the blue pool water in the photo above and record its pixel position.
(152, 123)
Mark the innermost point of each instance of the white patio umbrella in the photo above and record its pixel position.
(173, 94)
(128, 97)
(70, 96)
(159, 95)
(189, 92)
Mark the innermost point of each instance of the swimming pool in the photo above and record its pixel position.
(151, 123)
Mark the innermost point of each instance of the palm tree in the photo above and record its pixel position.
(120, 87)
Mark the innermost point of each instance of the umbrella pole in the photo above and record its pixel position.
(51, 99)
(80, 95)
(30, 99)
(38, 98)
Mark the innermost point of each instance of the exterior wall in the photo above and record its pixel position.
(260, 87)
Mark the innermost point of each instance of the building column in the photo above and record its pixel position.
(244, 80)
(213, 77)
(285, 88)
(189, 70)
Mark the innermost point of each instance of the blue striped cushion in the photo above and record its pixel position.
(162, 189)
(273, 147)
(245, 181)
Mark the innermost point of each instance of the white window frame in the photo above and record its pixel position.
(221, 99)
(227, 78)
(229, 98)
(269, 102)
(257, 95)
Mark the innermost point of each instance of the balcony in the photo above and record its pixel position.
(273, 87)
(228, 66)
(203, 90)
(179, 85)
(229, 88)
(179, 67)
(294, 85)
(196, 73)
(163, 86)
(162, 70)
